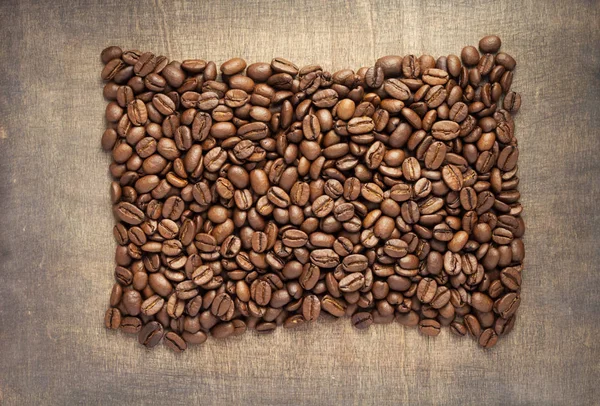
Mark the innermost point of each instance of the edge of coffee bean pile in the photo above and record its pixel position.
(252, 197)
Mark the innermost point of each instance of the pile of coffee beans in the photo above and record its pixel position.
(255, 196)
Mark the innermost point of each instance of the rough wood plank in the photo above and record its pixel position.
(56, 248)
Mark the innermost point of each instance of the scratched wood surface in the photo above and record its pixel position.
(56, 246)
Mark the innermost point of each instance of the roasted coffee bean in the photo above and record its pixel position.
(426, 290)
(131, 325)
(174, 342)
(311, 308)
(129, 213)
(352, 282)
(481, 302)
(507, 305)
(488, 338)
(445, 130)
(333, 306)
(490, 44)
(261, 197)
(152, 305)
(452, 177)
(112, 318)
(362, 320)
(151, 334)
(429, 327)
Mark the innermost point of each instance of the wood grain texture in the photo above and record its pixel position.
(56, 247)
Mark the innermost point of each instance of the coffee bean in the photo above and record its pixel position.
(469, 55)
(395, 248)
(137, 112)
(374, 76)
(362, 320)
(333, 306)
(490, 43)
(152, 305)
(324, 258)
(322, 206)
(372, 192)
(445, 130)
(507, 305)
(202, 275)
(111, 69)
(505, 60)
(426, 290)
(360, 125)
(261, 293)
(221, 305)
(452, 177)
(151, 334)
(294, 238)
(352, 282)
(174, 342)
(355, 263)
(458, 328)
(131, 325)
(411, 169)
(429, 327)
(511, 278)
(112, 318)
(488, 338)
(473, 326)
(411, 66)
(311, 308)
(481, 302)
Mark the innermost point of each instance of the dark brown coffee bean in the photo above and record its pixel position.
(111, 69)
(473, 326)
(360, 125)
(507, 305)
(174, 342)
(128, 213)
(452, 177)
(221, 305)
(506, 61)
(374, 77)
(151, 334)
(481, 302)
(294, 238)
(507, 160)
(488, 338)
(490, 44)
(362, 320)
(445, 130)
(411, 66)
(325, 258)
(429, 327)
(426, 290)
(511, 278)
(373, 193)
(202, 275)
(352, 282)
(469, 55)
(311, 308)
(112, 318)
(333, 306)
(131, 325)
(137, 112)
(322, 206)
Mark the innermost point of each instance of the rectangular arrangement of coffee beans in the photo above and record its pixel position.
(265, 195)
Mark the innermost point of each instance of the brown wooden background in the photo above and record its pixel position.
(56, 246)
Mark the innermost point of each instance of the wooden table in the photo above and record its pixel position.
(56, 245)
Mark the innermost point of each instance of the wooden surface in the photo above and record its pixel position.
(56, 246)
